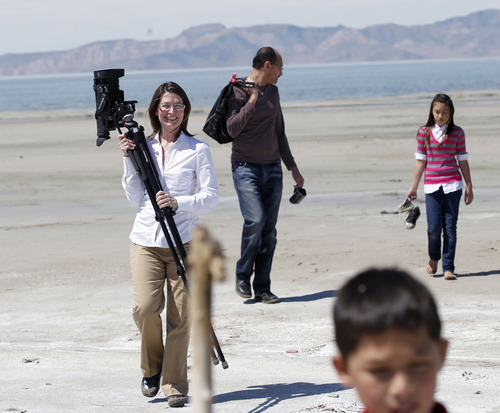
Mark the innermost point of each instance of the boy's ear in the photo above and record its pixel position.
(341, 367)
(444, 350)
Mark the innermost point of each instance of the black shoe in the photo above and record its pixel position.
(412, 218)
(176, 400)
(243, 289)
(150, 386)
(266, 297)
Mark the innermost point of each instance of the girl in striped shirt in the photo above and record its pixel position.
(441, 153)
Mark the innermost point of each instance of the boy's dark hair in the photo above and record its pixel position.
(377, 300)
(264, 54)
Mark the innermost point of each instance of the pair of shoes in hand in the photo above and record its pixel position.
(414, 213)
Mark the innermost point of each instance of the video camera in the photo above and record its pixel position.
(111, 106)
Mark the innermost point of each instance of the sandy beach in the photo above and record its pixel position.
(68, 341)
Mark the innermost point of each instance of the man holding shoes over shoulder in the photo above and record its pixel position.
(255, 122)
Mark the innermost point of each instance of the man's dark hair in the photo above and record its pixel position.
(264, 54)
(375, 301)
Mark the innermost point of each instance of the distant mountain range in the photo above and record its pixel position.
(214, 45)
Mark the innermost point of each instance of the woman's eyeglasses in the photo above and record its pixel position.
(176, 107)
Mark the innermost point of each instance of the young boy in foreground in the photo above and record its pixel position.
(388, 333)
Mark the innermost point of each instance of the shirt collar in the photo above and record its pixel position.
(182, 137)
(439, 131)
(440, 128)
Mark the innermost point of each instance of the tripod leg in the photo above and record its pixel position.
(143, 162)
(216, 344)
(215, 360)
(180, 269)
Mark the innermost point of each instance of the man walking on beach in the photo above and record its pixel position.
(255, 121)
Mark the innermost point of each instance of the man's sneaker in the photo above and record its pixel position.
(243, 289)
(176, 401)
(150, 386)
(412, 218)
(266, 297)
(405, 206)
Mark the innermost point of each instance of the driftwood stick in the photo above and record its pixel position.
(205, 262)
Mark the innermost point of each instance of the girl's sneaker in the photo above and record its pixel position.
(405, 206)
(411, 220)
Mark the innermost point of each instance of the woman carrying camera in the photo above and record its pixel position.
(187, 176)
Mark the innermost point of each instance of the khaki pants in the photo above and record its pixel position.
(152, 268)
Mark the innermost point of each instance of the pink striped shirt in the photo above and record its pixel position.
(442, 166)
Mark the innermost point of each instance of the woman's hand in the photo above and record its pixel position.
(166, 200)
(125, 144)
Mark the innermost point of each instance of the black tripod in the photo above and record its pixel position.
(143, 162)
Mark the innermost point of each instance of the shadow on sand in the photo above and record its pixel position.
(273, 394)
(474, 274)
(480, 274)
(302, 298)
(270, 394)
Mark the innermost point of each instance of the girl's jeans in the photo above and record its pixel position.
(442, 216)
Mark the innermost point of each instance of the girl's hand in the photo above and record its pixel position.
(125, 144)
(469, 195)
(166, 200)
(412, 194)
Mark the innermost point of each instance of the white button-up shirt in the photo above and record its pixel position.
(187, 173)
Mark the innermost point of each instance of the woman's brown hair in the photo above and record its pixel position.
(169, 87)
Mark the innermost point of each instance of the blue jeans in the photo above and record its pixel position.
(259, 189)
(442, 216)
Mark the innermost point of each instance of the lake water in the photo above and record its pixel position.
(298, 84)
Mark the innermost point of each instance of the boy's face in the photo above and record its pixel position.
(394, 371)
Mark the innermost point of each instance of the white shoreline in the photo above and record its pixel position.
(418, 99)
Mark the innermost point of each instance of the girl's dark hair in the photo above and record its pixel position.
(375, 301)
(439, 98)
(264, 54)
(169, 87)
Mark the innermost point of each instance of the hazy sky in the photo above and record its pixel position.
(46, 25)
